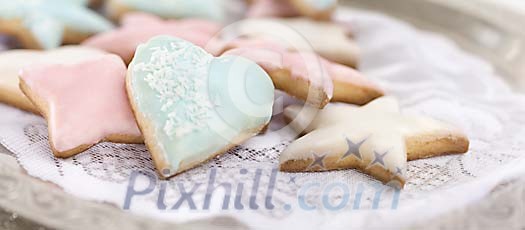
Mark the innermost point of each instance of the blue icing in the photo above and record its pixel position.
(321, 4)
(208, 9)
(195, 103)
(47, 20)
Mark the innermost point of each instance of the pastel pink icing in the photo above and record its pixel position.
(138, 28)
(87, 101)
(271, 8)
(345, 74)
(272, 56)
(302, 64)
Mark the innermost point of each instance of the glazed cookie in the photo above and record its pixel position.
(375, 139)
(271, 8)
(206, 9)
(289, 71)
(46, 24)
(138, 28)
(320, 9)
(330, 40)
(305, 75)
(12, 61)
(316, 9)
(191, 106)
(84, 103)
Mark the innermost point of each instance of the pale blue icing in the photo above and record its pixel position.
(195, 102)
(208, 9)
(47, 19)
(321, 4)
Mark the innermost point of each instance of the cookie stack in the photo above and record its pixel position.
(174, 76)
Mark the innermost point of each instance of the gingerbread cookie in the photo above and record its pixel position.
(305, 75)
(84, 103)
(41, 24)
(191, 106)
(206, 9)
(330, 40)
(138, 28)
(316, 9)
(375, 139)
(12, 61)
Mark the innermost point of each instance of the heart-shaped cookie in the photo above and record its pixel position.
(191, 106)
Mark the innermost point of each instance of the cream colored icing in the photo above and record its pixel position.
(138, 28)
(330, 40)
(87, 101)
(379, 127)
(12, 61)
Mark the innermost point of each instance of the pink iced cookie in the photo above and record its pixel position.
(271, 8)
(138, 28)
(288, 70)
(84, 103)
(301, 73)
(316, 9)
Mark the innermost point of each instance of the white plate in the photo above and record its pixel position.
(482, 28)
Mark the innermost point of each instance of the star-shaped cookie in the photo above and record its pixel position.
(331, 40)
(306, 75)
(138, 28)
(46, 24)
(12, 61)
(376, 139)
(84, 103)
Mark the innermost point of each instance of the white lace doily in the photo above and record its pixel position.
(429, 75)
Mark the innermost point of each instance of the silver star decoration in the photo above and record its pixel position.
(353, 149)
(379, 158)
(318, 161)
(399, 171)
(385, 127)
